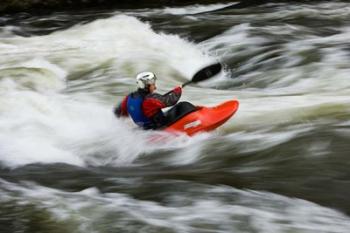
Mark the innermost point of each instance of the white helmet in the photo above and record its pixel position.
(144, 79)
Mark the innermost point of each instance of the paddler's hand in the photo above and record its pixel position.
(177, 90)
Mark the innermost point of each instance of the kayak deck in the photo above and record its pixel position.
(205, 118)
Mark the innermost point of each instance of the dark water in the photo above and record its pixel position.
(279, 165)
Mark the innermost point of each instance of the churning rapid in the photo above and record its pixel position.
(279, 165)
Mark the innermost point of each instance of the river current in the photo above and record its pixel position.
(280, 165)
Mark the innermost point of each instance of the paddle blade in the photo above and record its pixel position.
(207, 72)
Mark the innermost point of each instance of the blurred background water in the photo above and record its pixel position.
(279, 165)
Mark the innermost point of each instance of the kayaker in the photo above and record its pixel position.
(144, 105)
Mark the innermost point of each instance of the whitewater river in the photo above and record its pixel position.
(281, 164)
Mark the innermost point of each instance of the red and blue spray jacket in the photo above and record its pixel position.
(145, 108)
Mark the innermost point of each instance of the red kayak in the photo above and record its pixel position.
(204, 119)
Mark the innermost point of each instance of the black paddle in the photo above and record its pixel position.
(203, 74)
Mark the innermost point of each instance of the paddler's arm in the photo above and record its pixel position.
(155, 102)
(171, 98)
(121, 109)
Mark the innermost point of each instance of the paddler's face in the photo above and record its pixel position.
(152, 88)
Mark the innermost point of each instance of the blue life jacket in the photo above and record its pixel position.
(134, 106)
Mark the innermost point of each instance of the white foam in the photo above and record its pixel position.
(129, 43)
(212, 207)
(194, 9)
(48, 126)
(36, 74)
